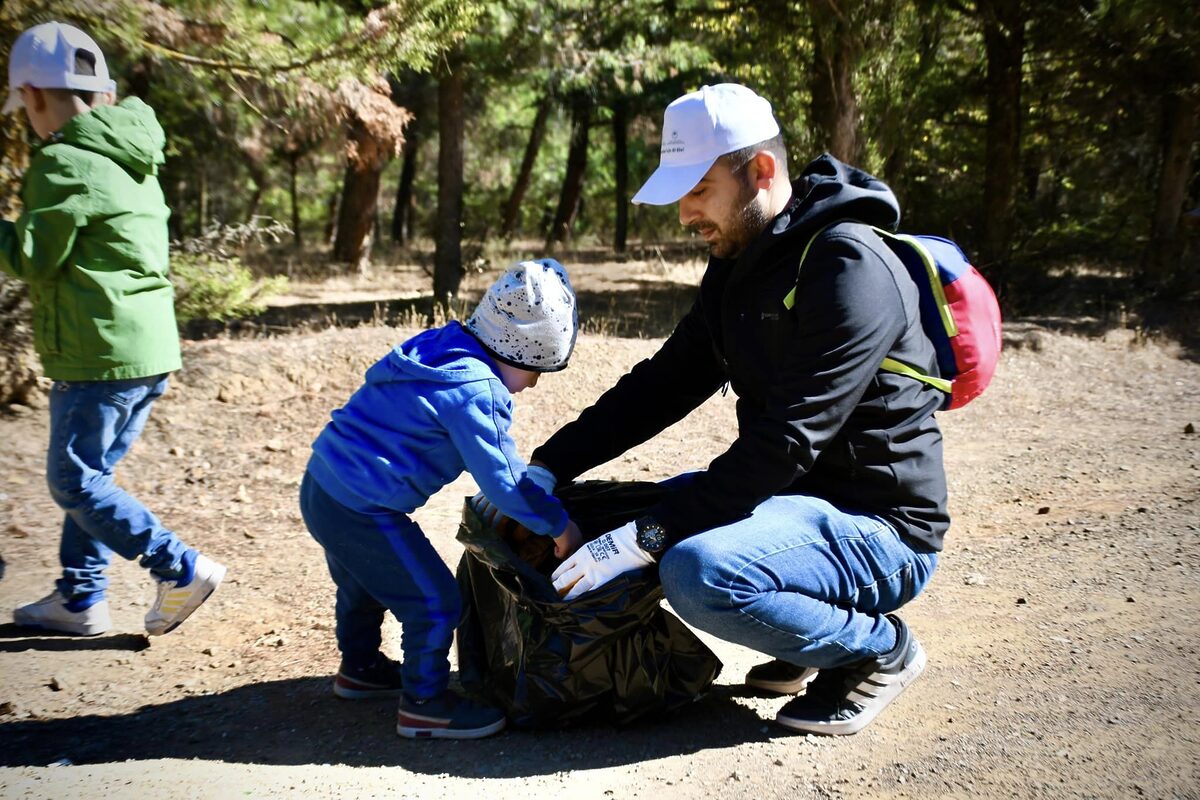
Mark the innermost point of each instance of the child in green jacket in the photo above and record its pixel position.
(92, 246)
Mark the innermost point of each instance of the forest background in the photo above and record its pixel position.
(1055, 141)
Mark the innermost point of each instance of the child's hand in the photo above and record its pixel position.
(568, 541)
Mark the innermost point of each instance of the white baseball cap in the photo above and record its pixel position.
(699, 128)
(528, 318)
(44, 57)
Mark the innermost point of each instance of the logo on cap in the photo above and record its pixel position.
(674, 144)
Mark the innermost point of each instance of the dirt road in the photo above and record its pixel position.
(1060, 626)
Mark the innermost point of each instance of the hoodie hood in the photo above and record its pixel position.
(828, 190)
(446, 355)
(127, 133)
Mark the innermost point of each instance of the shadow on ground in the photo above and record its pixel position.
(294, 722)
(15, 639)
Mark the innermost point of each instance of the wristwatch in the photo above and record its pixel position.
(651, 536)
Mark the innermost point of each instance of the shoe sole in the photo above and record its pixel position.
(867, 715)
(784, 687)
(192, 605)
(72, 630)
(346, 693)
(450, 733)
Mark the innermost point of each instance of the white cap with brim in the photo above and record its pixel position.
(699, 128)
(44, 57)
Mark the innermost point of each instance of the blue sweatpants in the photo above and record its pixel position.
(383, 562)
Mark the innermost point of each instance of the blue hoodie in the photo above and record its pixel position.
(431, 408)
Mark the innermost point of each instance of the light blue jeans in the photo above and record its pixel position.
(800, 580)
(92, 426)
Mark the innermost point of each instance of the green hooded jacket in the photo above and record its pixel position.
(92, 245)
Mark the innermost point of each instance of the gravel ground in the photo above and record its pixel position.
(1059, 626)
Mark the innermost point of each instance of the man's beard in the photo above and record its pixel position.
(747, 223)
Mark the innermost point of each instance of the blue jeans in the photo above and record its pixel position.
(800, 579)
(383, 562)
(92, 426)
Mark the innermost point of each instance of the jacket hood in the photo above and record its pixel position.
(127, 133)
(828, 190)
(447, 355)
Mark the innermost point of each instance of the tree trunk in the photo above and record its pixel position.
(447, 269)
(402, 214)
(360, 199)
(293, 168)
(203, 218)
(620, 127)
(1162, 258)
(836, 52)
(258, 174)
(572, 188)
(512, 209)
(1004, 39)
(331, 215)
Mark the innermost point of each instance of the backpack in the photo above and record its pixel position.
(959, 314)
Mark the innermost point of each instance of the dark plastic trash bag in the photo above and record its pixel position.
(612, 654)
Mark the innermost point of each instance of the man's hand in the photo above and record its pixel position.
(490, 514)
(568, 541)
(600, 561)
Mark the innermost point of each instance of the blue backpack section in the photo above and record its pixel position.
(952, 264)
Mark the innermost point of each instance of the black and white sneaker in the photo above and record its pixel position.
(844, 700)
(780, 677)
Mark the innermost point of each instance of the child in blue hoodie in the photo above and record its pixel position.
(439, 403)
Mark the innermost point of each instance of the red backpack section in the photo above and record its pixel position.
(959, 314)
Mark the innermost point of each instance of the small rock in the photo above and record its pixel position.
(208, 651)
(248, 534)
(275, 446)
(57, 684)
(733, 776)
(19, 410)
(6, 708)
(974, 579)
(177, 451)
(779, 762)
(1189, 428)
(1044, 510)
(1021, 601)
(1130, 600)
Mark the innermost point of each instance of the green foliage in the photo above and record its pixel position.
(211, 287)
(209, 278)
(243, 89)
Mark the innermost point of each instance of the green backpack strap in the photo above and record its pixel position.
(790, 300)
(891, 364)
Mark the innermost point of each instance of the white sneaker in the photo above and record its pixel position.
(175, 603)
(51, 613)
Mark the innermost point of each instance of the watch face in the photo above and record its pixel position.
(651, 536)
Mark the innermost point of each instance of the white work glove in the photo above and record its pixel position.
(488, 512)
(601, 560)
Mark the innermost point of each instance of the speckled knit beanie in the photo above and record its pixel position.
(528, 318)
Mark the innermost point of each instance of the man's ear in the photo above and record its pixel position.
(765, 169)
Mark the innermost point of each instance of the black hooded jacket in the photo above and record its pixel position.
(815, 413)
